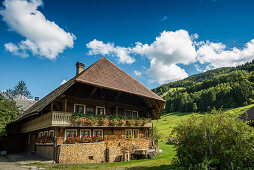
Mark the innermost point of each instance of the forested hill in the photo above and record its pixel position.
(228, 87)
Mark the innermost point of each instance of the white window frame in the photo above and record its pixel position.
(85, 130)
(40, 134)
(45, 133)
(97, 107)
(125, 112)
(94, 130)
(79, 105)
(134, 111)
(53, 132)
(69, 130)
(126, 131)
(134, 133)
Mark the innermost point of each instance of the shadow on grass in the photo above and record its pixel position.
(178, 114)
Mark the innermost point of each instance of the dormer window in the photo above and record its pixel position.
(78, 108)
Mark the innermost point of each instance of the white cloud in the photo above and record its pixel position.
(137, 73)
(168, 50)
(122, 53)
(64, 81)
(43, 37)
(173, 48)
(216, 54)
(164, 18)
(163, 73)
(198, 68)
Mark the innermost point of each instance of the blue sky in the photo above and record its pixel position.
(153, 41)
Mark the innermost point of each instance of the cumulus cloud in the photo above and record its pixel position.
(137, 73)
(217, 55)
(173, 48)
(64, 81)
(43, 37)
(168, 50)
(122, 53)
(164, 73)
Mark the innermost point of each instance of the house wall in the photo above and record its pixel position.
(112, 133)
(45, 150)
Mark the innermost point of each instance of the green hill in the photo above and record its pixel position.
(168, 121)
(228, 87)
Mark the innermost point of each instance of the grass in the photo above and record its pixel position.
(161, 161)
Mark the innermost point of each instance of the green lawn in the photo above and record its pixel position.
(161, 161)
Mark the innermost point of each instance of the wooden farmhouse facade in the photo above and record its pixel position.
(100, 115)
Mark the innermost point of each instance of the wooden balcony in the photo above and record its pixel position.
(60, 119)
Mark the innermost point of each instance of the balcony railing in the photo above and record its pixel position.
(64, 119)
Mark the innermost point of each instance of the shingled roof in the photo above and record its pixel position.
(102, 73)
(105, 74)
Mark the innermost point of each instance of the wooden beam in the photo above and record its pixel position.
(151, 107)
(92, 93)
(118, 95)
(51, 106)
(65, 105)
(92, 101)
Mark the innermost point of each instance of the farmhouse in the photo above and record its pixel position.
(100, 115)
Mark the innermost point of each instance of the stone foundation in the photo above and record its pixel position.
(108, 151)
(82, 153)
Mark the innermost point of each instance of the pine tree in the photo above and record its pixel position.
(20, 89)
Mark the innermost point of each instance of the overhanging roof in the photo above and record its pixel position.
(105, 74)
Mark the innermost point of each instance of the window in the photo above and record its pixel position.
(98, 132)
(100, 110)
(70, 132)
(40, 134)
(128, 133)
(51, 133)
(127, 113)
(134, 113)
(78, 108)
(85, 132)
(89, 110)
(46, 133)
(135, 133)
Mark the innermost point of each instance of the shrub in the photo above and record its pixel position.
(218, 140)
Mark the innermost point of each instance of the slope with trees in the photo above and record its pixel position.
(228, 87)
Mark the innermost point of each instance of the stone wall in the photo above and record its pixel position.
(118, 148)
(82, 153)
(45, 150)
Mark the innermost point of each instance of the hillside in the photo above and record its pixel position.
(170, 120)
(223, 87)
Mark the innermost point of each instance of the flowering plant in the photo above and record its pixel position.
(95, 120)
(72, 139)
(89, 139)
(43, 139)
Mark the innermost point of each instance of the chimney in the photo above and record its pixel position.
(36, 99)
(80, 67)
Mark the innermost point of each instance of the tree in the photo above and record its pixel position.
(20, 89)
(218, 140)
(194, 107)
(8, 112)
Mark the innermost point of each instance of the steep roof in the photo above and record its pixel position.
(102, 73)
(105, 74)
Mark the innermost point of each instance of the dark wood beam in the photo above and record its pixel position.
(118, 95)
(100, 102)
(92, 93)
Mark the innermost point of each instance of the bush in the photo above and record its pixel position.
(218, 140)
